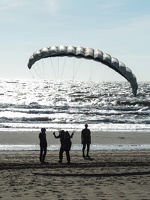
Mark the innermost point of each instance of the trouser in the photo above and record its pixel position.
(61, 154)
(88, 148)
(43, 151)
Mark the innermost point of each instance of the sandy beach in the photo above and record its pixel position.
(98, 137)
(107, 174)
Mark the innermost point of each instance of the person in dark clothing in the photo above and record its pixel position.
(43, 145)
(86, 140)
(65, 140)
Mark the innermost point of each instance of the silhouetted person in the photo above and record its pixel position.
(43, 145)
(86, 140)
(65, 140)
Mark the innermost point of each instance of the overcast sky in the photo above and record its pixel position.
(120, 28)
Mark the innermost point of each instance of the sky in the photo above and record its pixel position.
(120, 28)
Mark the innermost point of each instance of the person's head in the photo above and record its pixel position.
(43, 130)
(67, 133)
(86, 125)
(62, 132)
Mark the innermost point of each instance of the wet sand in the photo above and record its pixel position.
(107, 174)
(98, 137)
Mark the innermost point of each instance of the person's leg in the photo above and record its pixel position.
(83, 149)
(44, 154)
(41, 154)
(60, 155)
(68, 156)
(88, 149)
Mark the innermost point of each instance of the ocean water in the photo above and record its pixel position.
(107, 106)
(74, 147)
(32, 104)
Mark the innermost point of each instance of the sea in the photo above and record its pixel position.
(29, 105)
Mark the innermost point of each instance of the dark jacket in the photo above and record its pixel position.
(67, 141)
(43, 141)
(86, 136)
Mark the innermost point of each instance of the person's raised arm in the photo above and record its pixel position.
(55, 135)
(72, 134)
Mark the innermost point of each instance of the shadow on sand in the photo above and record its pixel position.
(92, 175)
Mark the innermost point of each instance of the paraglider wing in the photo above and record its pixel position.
(87, 53)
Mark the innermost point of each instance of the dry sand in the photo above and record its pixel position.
(106, 175)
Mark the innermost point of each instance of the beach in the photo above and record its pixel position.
(107, 174)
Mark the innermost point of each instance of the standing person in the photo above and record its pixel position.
(65, 140)
(43, 145)
(67, 144)
(86, 140)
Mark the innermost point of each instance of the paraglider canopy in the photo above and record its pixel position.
(87, 53)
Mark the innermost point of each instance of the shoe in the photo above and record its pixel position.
(60, 161)
(44, 162)
(87, 156)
